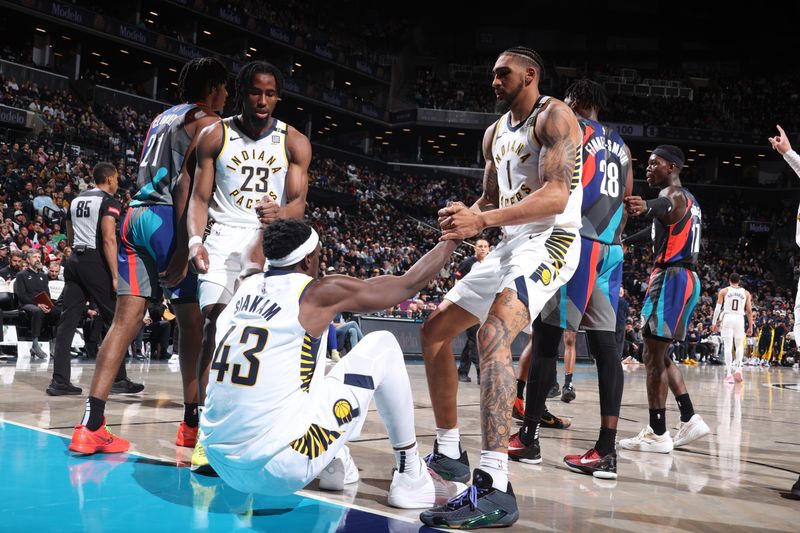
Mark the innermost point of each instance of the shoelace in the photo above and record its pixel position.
(429, 458)
(471, 495)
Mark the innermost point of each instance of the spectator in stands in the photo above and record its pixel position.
(29, 286)
(348, 333)
(4, 256)
(13, 268)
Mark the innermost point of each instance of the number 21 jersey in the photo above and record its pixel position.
(246, 170)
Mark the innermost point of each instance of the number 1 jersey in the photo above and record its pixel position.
(246, 170)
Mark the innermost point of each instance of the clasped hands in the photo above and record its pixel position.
(459, 222)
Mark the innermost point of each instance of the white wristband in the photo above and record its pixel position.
(195, 239)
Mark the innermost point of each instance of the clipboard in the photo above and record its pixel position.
(44, 299)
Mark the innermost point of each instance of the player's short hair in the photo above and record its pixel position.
(199, 76)
(245, 78)
(282, 237)
(587, 93)
(103, 171)
(734, 277)
(32, 252)
(530, 54)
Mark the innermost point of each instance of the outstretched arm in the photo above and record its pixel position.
(335, 294)
(669, 207)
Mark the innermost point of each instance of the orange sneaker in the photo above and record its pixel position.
(101, 441)
(187, 435)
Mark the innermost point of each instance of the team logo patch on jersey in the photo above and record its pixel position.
(276, 139)
(343, 411)
(542, 274)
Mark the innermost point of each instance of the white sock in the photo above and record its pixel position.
(728, 358)
(449, 441)
(408, 461)
(496, 465)
(739, 356)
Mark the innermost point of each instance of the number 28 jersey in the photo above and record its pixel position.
(605, 170)
(679, 242)
(246, 170)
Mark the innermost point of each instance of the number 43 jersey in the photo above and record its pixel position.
(605, 169)
(246, 170)
(264, 371)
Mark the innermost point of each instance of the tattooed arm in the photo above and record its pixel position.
(559, 133)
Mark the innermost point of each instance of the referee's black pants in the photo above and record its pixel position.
(469, 354)
(86, 278)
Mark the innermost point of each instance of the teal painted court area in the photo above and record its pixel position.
(47, 488)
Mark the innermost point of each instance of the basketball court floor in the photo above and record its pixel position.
(735, 479)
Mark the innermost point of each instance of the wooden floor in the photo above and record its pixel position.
(735, 479)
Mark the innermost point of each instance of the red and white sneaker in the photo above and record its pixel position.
(101, 441)
(591, 462)
(518, 412)
(518, 451)
(187, 435)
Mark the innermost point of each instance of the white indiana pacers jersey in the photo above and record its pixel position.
(516, 157)
(734, 301)
(246, 170)
(263, 370)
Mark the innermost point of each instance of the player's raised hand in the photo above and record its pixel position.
(780, 143)
(267, 210)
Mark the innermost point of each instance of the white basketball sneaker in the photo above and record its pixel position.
(339, 472)
(647, 441)
(423, 492)
(690, 431)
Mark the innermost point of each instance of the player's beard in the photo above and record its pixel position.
(502, 106)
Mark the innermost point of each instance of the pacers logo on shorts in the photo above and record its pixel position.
(343, 411)
(542, 274)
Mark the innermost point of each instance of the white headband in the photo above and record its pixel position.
(296, 255)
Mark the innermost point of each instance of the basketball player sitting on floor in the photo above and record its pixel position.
(273, 429)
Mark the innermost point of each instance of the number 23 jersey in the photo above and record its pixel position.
(246, 170)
